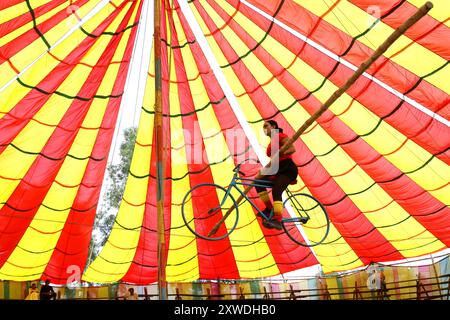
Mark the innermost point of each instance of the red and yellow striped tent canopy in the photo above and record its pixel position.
(378, 159)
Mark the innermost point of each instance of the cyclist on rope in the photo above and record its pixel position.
(285, 175)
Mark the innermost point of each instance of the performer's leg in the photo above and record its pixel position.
(263, 194)
(280, 184)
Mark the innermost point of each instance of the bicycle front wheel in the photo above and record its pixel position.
(204, 206)
(309, 224)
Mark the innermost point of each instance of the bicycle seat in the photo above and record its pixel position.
(292, 182)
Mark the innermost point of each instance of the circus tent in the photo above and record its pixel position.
(378, 159)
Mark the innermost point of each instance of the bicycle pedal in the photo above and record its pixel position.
(266, 212)
(272, 224)
(303, 219)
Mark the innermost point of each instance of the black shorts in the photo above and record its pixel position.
(286, 174)
(288, 168)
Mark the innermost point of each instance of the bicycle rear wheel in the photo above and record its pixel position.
(309, 224)
(204, 206)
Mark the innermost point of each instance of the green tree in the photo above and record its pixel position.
(117, 173)
(116, 180)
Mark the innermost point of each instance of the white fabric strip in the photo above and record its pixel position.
(330, 54)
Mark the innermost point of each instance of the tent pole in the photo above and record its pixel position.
(362, 68)
(158, 127)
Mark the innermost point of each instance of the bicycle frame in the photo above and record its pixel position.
(298, 214)
(238, 181)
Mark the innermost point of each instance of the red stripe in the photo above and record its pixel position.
(17, 44)
(225, 24)
(146, 251)
(19, 21)
(288, 257)
(83, 63)
(419, 32)
(367, 243)
(411, 122)
(215, 261)
(141, 270)
(4, 4)
(43, 171)
(18, 117)
(56, 181)
(363, 154)
(78, 228)
(328, 36)
(56, 125)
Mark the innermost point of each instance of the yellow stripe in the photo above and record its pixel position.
(246, 257)
(375, 197)
(19, 9)
(179, 237)
(245, 102)
(384, 140)
(353, 21)
(14, 163)
(30, 52)
(33, 76)
(34, 136)
(440, 9)
(339, 253)
(130, 216)
(33, 50)
(59, 197)
(29, 26)
(356, 180)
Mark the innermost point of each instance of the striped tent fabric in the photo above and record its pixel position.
(58, 112)
(195, 104)
(378, 159)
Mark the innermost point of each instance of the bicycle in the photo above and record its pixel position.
(305, 210)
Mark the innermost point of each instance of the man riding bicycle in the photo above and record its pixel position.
(285, 175)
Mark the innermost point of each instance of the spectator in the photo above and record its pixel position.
(33, 292)
(47, 292)
(131, 295)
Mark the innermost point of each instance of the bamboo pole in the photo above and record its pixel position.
(158, 127)
(362, 68)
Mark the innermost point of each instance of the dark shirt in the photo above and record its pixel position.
(47, 293)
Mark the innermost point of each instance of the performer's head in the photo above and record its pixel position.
(269, 126)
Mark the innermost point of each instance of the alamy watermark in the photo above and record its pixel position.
(215, 147)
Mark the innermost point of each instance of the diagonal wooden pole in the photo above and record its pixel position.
(362, 68)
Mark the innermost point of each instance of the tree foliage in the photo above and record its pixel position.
(117, 173)
(116, 179)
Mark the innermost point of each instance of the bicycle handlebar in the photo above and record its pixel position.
(238, 166)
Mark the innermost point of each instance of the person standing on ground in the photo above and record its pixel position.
(47, 292)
